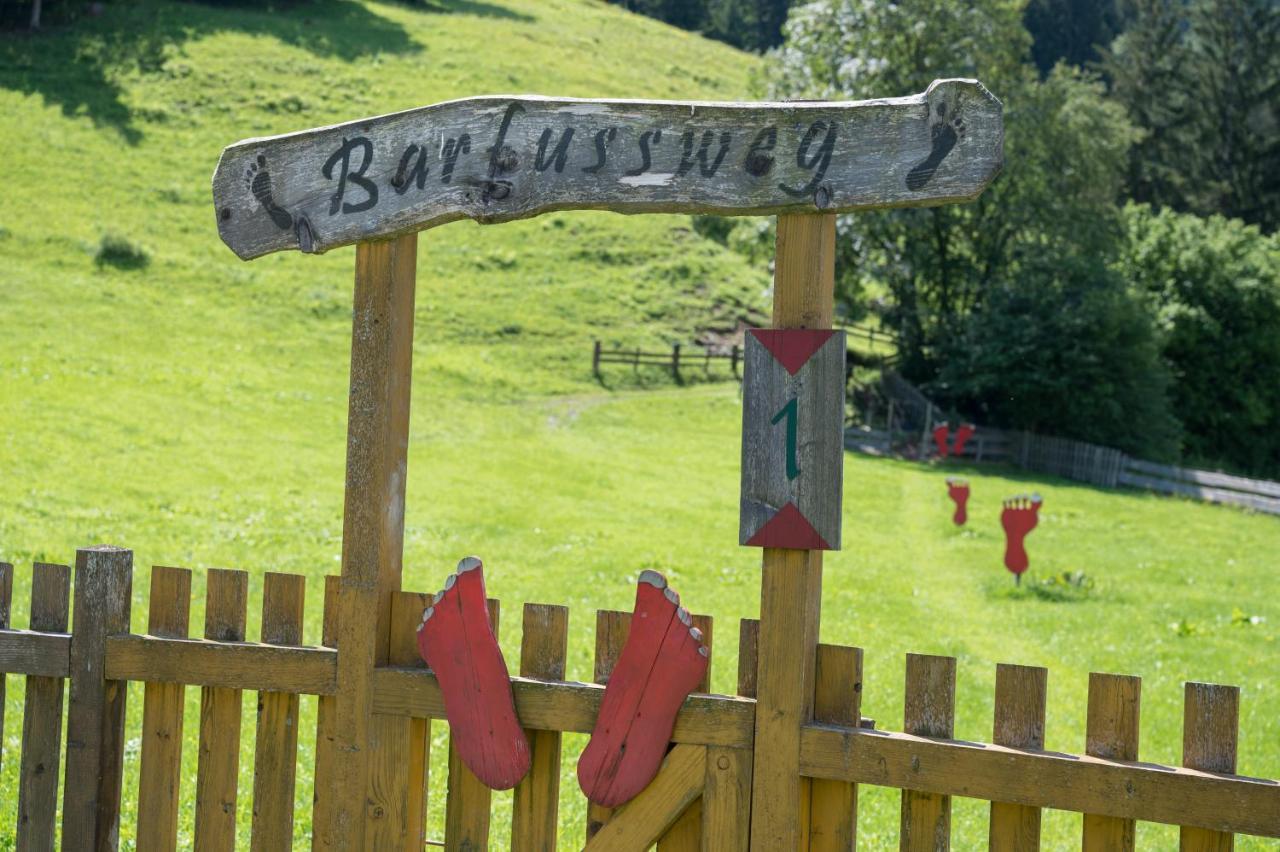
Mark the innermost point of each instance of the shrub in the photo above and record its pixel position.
(118, 251)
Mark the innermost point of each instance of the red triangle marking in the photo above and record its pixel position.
(788, 528)
(792, 347)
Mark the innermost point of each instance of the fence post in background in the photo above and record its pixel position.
(1210, 730)
(1021, 693)
(1112, 733)
(95, 716)
(734, 355)
(675, 360)
(929, 711)
(6, 595)
(595, 359)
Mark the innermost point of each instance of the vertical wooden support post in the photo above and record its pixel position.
(276, 751)
(929, 711)
(685, 834)
(406, 615)
(42, 715)
(726, 792)
(1021, 695)
(373, 517)
(226, 600)
(612, 629)
(159, 778)
(1210, 730)
(322, 793)
(791, 582)
(837, 699)
(6, 599)
(595, 359)
(544, 644)
(1111, 732)
(466, 808)
(95, 716)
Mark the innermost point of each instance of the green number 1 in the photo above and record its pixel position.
(789, 411)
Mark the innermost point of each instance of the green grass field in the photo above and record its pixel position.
(193, 407)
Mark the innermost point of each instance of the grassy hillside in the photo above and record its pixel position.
(192, 407)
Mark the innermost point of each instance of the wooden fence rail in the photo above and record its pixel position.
(668, 360)
(700, 799)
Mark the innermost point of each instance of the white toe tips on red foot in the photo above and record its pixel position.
(469, 563)
(653, 578)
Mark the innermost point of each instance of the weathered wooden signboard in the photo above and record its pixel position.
(495, 159)
(792, 438)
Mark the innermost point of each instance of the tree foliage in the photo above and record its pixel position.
(749, 24)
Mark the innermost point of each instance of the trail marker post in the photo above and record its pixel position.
(377, 181)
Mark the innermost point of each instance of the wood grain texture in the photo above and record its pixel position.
(544, 644)
(748, 650)
(837, 700)
(467, 805)
(406, 615)
(612, 629)
(321, 790)
(1021, 697)
(34, 653)
(500, 158)
(160, 775)
(230, 665)
(685, 835)
(1111, 731)
(1210, 731)
(634, 826)
(95, 715)
(373, 514)
(42, 717)
(928, 711)
(276, 749)
(217, 776)
(726, 800)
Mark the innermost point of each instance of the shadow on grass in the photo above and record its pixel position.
(74, 66)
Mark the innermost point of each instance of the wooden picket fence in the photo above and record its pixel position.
(700, 799)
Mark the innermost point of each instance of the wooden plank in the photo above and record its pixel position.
(1021, 696)
(1214, 495)
(726, 800)
(159, 778)
(230, 665)
(637, 824)
(321, 794)
(42, 717)
(612, 629)
(929, 710)
(373, 514)
(1111, 731)
(466, 810)
(276, 749)
(685, 835)
(1264, 487)
(217, 777)
(837, 700)
(1210, 732)
(748, 651)
(406, 615)
(544, 645)
(95, 716)
(34, 653)
(496, 159)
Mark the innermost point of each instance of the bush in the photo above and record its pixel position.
(116, 250)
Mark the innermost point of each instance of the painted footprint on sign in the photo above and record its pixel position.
(258, 179)
(945, 133)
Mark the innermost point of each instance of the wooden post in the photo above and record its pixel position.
(929, 711)
(95, 717)
(543, 645)
(6, 597)
(675, 360)
(791, 581)
(406, 615)
(733, 356)
(833, 821)
(1111, 732)
(1210, 730)
(1021, 693)
(595, 359)
(373, 518)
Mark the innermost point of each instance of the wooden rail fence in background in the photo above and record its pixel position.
(667, 360)
(700, 799)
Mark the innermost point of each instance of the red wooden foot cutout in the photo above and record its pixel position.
(963, 434)
(958, 490)
(662, 662)
(1020, 516)
(941, 433)
(457, 642)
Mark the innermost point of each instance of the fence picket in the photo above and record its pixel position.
(406, 615)
(1021, 695)
(42, 715)
(322, 790)
(544, 644)
(612, 629)
(466, 809)
(276, 749)
(685, 834)
(1210, 730)
(1111, 732)
(837, 699)
(929, 711)
(159, 778)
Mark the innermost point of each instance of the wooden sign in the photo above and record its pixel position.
(495, 159)
(792, 439)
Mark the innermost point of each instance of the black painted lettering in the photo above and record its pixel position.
(406, 174)
(449, 153)
(819, 161)
(603, 137)
(343, 155)
(558, 154)
(688, 157)
(759, 159)
(496, 152)
(646, 161)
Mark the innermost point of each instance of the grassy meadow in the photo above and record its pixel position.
(157, 393)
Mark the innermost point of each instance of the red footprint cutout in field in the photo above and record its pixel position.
(941, 433)
(963, 434)
(958, 490)
(456, 640)
(662, 662)
(1020, 516)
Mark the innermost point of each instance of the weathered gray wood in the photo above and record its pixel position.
(6, 595)
(95, 717)
(42, 717)
(1264, 487)
(792, 443)
(1213, 495)
(495, 159)
(34, 653)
